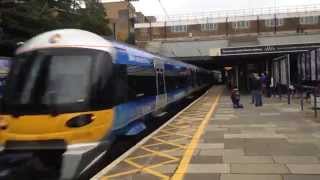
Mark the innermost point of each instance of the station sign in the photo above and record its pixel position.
(269, 49)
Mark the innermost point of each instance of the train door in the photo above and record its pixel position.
(161, 100)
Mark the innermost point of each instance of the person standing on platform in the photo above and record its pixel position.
(263, 79)
(251, 78)
(268, 85)
(256, 88)
(235, 98)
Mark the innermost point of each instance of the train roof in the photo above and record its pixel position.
(66, 38)
(139, 52)
(84, 39)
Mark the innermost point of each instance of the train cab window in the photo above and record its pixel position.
(51, 81)
(102, 85)
(141, 81)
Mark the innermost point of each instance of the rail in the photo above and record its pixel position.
(239, 13)
(308, 90)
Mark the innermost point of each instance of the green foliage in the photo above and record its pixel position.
(93, 18)
(24, 20)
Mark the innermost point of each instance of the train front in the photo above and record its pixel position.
(57, 97)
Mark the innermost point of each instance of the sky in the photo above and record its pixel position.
(152, 7)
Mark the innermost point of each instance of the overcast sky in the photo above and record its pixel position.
(152, 7)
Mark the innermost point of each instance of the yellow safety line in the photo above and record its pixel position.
(179, 127)
(161, 164)
(172, 133)
(169, 143)
(147, 170)
(122, 173)
(140, 156)
(152, 154)
(184, 163)
(179, 139)
(162, 154)
(153, 144)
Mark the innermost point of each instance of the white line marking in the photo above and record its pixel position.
(93, 162)
(144, 140)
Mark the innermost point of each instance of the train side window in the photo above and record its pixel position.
(120, 84)
(171, 77)
(141, 81)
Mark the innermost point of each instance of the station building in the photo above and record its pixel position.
(267, 40)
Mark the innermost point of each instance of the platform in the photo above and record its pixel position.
(211, 140)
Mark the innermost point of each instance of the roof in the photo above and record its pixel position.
(84, 39)
(66, 38)
(131, 50)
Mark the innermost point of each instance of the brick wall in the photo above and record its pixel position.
(256, 27)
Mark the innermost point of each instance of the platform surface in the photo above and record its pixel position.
(211, 140)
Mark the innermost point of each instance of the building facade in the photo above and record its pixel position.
(121, 16)
(238, 30)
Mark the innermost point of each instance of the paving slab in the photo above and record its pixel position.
(301, 177)
(221, 152)
(259, 169)
(296, 159)
(202, 177)
(248, 159)
(249, 177)
(304, 168)
(206, 160)
(207, 168)
(210, 146)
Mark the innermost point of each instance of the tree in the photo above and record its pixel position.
(93, 18)
(24, 20)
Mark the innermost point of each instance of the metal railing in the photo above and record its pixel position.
(240, 13)
(305, 92)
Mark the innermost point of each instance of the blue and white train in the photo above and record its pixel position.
(74, 90)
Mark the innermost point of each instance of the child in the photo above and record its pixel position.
(235, 97)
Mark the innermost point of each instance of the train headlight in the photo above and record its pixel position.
(80, 120)
(3, 124)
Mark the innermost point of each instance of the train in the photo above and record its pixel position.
(74, 90)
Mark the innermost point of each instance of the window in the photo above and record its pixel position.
(309, 20)
(208, 27)
(240, 25)
(271, 22)
(59, 81)
(177, 77)
(143, 30)
(181, 28)
(141, 81)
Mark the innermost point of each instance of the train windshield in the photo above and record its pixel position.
(47, 81)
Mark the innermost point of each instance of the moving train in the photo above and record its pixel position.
(74, 90)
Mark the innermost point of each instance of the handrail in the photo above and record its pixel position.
(239, 13)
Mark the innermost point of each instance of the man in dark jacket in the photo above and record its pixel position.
(256, 87)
